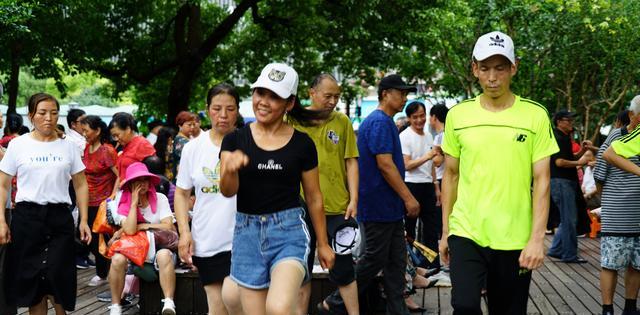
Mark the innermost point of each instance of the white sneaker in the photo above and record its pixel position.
(115, 309)
(96, 281)
(443, 279)
(169, 307)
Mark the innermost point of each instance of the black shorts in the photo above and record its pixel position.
(343, 271)
(213, 269)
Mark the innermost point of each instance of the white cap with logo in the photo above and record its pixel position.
(494, 43)
(279, 78)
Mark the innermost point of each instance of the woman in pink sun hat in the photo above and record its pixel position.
(141, 208)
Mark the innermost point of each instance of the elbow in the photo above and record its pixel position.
(226, 191)
(607, 155)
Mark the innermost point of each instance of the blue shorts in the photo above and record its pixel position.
(619, 252)
(260, 242)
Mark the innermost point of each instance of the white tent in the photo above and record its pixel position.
(104, 112)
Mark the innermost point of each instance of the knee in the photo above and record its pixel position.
(279, 307)
(118, 262)
(231, 295)
(342, 272)
(164, 257)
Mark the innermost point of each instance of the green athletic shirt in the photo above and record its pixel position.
(496, 152)
(628, 145)
(335, 142)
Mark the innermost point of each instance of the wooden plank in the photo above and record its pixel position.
(541, 304)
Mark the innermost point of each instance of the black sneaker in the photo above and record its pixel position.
(90, 262)
(81, 263)
(104, 296)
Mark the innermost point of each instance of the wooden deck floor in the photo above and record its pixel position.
(557, 288)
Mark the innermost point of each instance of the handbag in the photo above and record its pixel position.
(101, 224)
(134, 247)
(166, 239)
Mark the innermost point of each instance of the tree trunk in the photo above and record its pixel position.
(16, 51)
(180, 90)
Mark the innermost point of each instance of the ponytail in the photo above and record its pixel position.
(305, 117)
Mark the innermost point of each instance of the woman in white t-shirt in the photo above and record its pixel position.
(207, 244)
(40, 259)
(141, 208)
(417, 150)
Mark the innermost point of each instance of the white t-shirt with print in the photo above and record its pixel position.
(43, 168)
(437, 140)
(162, 211)
(213, 214)
(416, 146)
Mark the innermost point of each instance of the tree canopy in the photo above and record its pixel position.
(574, 54)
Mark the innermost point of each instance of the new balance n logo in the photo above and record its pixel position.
(521, 137)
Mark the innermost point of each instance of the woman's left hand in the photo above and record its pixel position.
(85, 232)
(326, 257)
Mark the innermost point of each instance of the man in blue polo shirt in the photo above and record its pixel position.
(384, 199)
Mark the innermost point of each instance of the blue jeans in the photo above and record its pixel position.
(260, 242)
(565, 242)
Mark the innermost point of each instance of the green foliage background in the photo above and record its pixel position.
(575, 54)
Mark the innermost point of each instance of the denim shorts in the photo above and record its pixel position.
(260, 242)
(619, 252)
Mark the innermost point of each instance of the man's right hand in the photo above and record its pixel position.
(413, 207)
(443, 248)
(5, 233)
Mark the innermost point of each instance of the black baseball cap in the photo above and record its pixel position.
(395, 81)
(563, 114)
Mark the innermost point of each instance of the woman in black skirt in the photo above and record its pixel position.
(40, 259)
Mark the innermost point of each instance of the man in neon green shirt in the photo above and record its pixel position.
(335, 142)
(622, 149)
(496, 145)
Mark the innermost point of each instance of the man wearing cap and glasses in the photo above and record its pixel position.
(495, 146)
(384, 200)
(565, 188)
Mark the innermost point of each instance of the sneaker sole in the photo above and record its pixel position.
(168, 312)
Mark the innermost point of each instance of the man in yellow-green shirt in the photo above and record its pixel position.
(335, 142)
(496, 145)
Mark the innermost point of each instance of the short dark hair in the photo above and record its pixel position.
(73, 115)
(123, 121)
(320, 77)
(413, 107)
(223, 88)
(13, 123)
(154, 123)
(440, 111)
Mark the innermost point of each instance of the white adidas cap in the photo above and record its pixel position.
(279, 78)
(494, 43)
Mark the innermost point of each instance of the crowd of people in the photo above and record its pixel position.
(253, 207)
